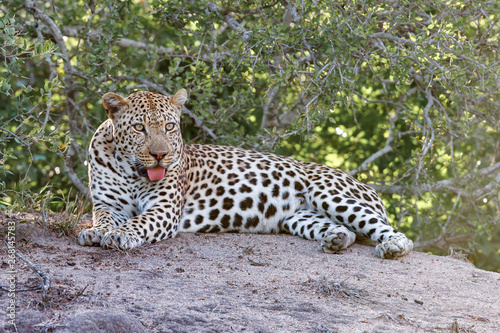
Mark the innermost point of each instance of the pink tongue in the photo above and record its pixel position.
(156, 173)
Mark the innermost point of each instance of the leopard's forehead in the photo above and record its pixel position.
(152, 106)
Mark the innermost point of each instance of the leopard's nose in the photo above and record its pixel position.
(158, 154)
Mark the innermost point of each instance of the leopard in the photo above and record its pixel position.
(147, 185)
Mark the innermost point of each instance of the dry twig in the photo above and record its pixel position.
(43, 276)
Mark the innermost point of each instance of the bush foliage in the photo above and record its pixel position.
(401, 94)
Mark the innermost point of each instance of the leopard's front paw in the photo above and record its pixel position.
(337, 238)
(90, 237)
(120, 240)
(396, 246)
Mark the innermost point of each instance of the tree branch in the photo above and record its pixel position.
(78, 32)
(440, 186)
(229, 19)
(364, 166)
(296, 19)
(383, 35)
(69, 161)
(15, 136)
(489, 170)
(451, 185)
(428, 140)
(269, 113)
(442, 242)
(70, 90)
(387, 149)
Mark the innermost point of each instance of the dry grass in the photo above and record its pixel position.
(341, 289)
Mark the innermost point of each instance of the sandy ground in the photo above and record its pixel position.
(241, 283)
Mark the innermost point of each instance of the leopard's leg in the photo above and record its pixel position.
(103, 222)
(314, 226)
(366, 221)
(154, 225)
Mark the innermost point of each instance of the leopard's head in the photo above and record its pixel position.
(146, 130)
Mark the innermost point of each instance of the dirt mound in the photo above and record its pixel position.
(237, 282)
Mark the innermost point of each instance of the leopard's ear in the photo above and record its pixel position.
(113, 103)
(180, 98)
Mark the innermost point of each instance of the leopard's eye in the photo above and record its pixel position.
(139, 127)
(169, 126)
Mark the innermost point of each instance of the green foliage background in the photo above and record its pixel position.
(404, 95)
